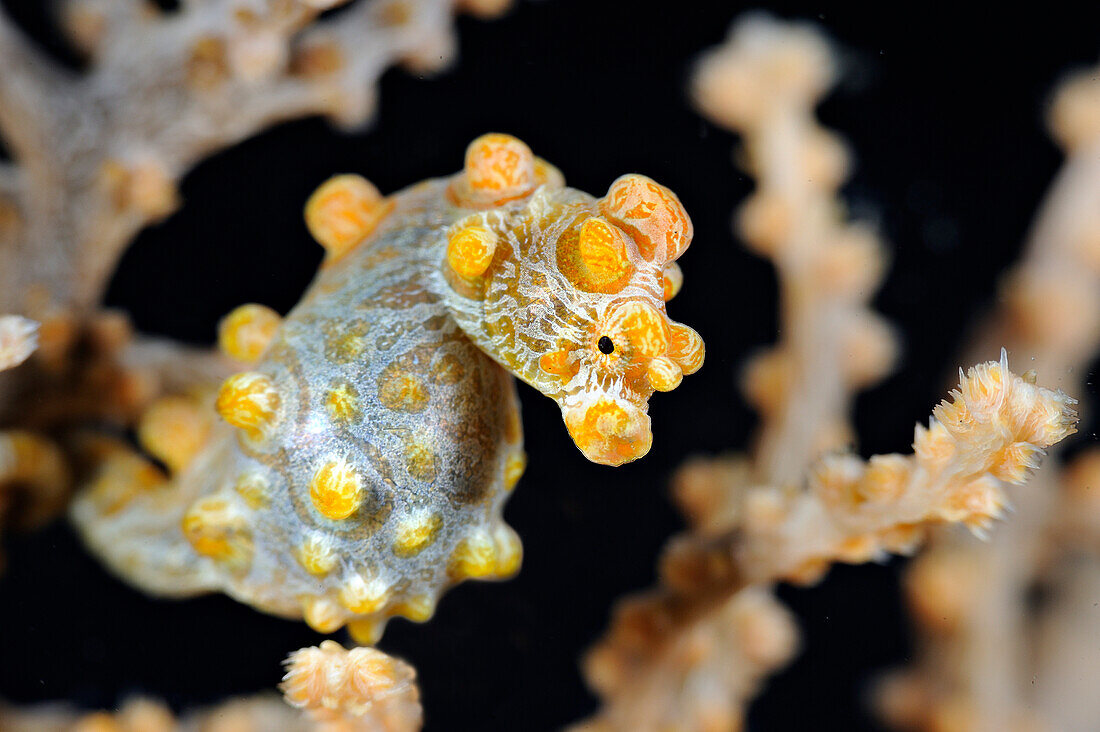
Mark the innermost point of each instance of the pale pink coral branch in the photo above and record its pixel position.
(993, 431)
(701, 677)
(764, 84)
(263, 713)
(356, 689)
(101, 151)
(978, 670)
(98, 153)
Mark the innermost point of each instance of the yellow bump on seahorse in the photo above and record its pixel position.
(343, 212)
(245, 333)
(364, 460)
(249, 401)
(509, 551)
(316, 554)
(470, 249)
(664, 373)
(366, 631)
(484, 553)
(673, 280)
(254, 488)
(364, 596)
(686, 348)
(416, 532)
(598, 257)
(419, 608)
(322, 614)
(216, 529)
(336, 488)
(513, 469)
(342, 402)
(651, 214)
(499, 168)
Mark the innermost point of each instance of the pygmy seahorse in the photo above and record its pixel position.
(360, 466)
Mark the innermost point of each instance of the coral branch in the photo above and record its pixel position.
(703, 675)
(764, 83)
(978, 668)
(993, 431)
(163, 91)
(11, 186)
(264, 712)
(356, 689)
(31, 89)
(106, 373)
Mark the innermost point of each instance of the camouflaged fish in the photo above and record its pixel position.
(360, 466)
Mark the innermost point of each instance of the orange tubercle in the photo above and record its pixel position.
(470, 250)
(609, 431)
(322, 614)
(215, 529)
(474, 557)
(499, 163)
(672, 280)
(602, 256)
(249, 401)
(245, 333)
(651, 214)
(559, 363)
(686, 348)
(343, 212)
(499, 168)
(316, 555)
(642, 326)
(336, 489)
(664, 374)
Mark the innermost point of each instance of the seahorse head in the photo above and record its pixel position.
(568, 291)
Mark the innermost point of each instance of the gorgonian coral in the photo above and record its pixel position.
(356, 689)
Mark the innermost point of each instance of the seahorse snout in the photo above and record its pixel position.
(607, 430)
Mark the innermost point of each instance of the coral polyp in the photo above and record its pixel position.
(363, 458)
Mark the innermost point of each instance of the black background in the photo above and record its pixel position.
(944, 109)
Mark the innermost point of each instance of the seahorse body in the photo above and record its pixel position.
(361, 465)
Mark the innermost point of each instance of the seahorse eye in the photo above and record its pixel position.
(605, 345)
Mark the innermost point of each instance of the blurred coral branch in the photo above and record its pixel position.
(992, 432)
(97, 155)
(796, 506)
(764, 84)
(357, 689)
(99, 152)
(337, 690)
(256, 714)
(991, 658)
